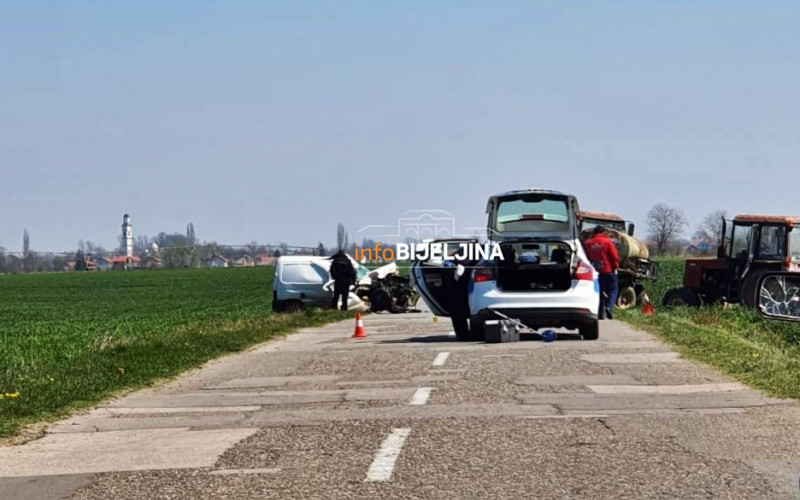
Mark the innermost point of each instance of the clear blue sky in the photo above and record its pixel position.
(274, 121)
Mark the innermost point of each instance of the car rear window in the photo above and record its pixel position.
(532, 214)
(303, 273)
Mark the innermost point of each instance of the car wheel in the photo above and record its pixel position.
(590, 331)
(476, 329)
(292, 306)
(461, 327)
(682, 296)
(627, 298)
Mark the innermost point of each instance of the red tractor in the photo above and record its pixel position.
(749, 248)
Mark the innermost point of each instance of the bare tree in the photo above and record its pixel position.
(710, 229)
(665, 224)
(190, 235)
(341, 237)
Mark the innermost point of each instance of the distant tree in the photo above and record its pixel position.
(321, 249)
(190, 236)
(251, 248)
(665, 224)
(710, 229)
(341, 237)
(80, 261)
(26, 243)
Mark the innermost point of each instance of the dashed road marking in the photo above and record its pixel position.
(440, 359)
(421, 396)
(383, 463)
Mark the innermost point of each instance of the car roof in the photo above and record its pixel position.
(531, 191)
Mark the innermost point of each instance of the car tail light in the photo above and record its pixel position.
(483, 274)
(584, 271)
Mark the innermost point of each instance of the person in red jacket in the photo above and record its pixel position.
(604, 257)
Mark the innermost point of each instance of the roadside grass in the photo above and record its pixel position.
(70, 340)
(763, 354)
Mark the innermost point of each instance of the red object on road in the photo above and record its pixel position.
(359, 331)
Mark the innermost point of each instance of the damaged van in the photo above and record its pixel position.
(542, 279)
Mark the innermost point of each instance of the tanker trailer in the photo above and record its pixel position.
(635, 266)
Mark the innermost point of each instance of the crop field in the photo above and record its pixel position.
(764, 354)
(71, 339)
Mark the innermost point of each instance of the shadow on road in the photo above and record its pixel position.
(566, 337)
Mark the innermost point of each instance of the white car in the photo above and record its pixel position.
(304, 280)
(543, 279)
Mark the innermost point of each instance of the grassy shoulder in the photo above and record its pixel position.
(763, 354)
(71, 340)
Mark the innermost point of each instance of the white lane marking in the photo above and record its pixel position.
(440, 359)
(383, 463)
(231, 472)
(665, 389)
(421, 396)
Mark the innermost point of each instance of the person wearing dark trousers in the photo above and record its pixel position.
(604, 257)
(344, 275)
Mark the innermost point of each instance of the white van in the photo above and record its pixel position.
(304, 280)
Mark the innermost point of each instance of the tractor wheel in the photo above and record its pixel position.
(682, 296)
(626, 298)
(747, 293)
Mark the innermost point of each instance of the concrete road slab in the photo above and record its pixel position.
(85, 453)
(666, 389)
(644, 357)
(623, 417)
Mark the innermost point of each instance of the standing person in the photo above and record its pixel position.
(604, 257)
(344, 275)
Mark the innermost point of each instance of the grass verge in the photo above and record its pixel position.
(762, 354)
(71, 340)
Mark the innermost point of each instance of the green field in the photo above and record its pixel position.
(71, 339)
(764, 354)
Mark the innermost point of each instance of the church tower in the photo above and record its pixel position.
(127, 235)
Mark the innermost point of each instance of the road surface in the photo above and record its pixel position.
(408, 412)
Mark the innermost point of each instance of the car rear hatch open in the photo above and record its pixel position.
(535, 265)
(532, 213)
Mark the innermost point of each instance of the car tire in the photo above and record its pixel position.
(676, 297)
(476, 329)
(291, 306)
(461, 328)
(590, 331)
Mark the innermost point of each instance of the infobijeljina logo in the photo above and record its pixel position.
(424, 235)
(433, 251)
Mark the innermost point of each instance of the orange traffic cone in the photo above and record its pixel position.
(648, 309)
(359, 332)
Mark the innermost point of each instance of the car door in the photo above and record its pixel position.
(428, 275)
(304, 280)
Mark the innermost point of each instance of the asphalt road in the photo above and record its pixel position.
(408, 412)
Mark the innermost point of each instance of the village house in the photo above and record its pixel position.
(151, 262)
(265, 260)
(122, 262)
(216, 260)
(244, 261)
